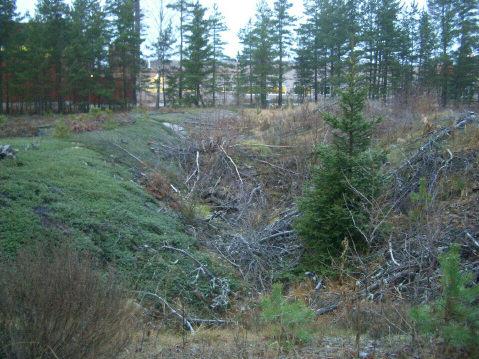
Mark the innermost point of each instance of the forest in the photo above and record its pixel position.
(313, 195)
(66, 58)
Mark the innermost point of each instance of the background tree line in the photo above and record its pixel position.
(402, 50)
(66, 58)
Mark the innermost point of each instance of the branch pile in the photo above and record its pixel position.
(429, 161)
(260, 255)
(240, 181)
(406, 265)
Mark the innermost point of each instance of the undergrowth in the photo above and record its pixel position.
(290, 320)
(83, 188)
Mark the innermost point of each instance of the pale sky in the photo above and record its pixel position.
(236, 13)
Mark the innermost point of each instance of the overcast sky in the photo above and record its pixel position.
(236, 12)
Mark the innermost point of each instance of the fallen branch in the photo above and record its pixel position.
(327, 309)
(391, 253)
(185, 253)
(131, 154)
(261, 145)
(183, 319)
(278, 167)
(210, 321)
(233, 162)
(437, 137)
(276, 235)
(476, 243)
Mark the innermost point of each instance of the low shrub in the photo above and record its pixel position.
(62, 129)
(158, 186)
(54, 304)
(99, 111)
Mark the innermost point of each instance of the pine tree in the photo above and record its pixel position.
(426, 48)
(315, 45)
(52, 14)
(182, 7)
(238, 80)
(86, 52)
(443, 13)
(227, 81)
(406, 54)
(163, 48)
(217, 27)
(263, 53)
(197, 54)
(388, 27)
(333, 207)
(139, 62)
(28, 78)
(7, 27)
(467, 65)
(171, 90)
(282, 39)
(125, 47)
(291, 321)
(369, 35)
(245, 62)
(336, 23)
(381, 36)
(302, 65)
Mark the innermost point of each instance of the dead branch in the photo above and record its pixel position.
(201, 267)
(233, 163)
(327, 309)
(210, 321)
(184, 320)
(131, 155)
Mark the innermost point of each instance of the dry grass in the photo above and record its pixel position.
(30, 126)
(329, 341)
(23, 126)
(465, 140)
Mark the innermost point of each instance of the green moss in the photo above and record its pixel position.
(82, 189)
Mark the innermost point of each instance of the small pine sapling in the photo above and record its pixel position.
(291, 321)
(333, 206)
(454, 317)
(420, 202)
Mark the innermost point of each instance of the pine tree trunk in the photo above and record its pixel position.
(180, 77)
(158, 90)
(280, 82)
(163, 80)
(137, 60)
(1, 84)
(7, 100)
